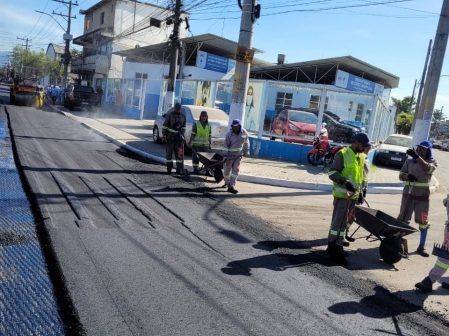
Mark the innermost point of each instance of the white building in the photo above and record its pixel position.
(55, 52)
(114, 25)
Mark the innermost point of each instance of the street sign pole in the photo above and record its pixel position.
(244, 57)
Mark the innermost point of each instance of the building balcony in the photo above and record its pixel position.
(94, 63)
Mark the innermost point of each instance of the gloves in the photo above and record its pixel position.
(411, 178)
(412, 153)
(360, 199)
(349, 187)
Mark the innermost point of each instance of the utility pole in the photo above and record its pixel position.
(27, 40)
(424, 116)
(244, 57)
(421, 85)
(170, 96)
(67, 37)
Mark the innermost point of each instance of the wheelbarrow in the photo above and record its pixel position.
(389, 230)
(212, 163)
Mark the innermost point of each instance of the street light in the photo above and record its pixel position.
(52, 18)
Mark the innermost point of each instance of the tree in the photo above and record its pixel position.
(403, 105)
(404, 123)
(437, 117)
(31, 64)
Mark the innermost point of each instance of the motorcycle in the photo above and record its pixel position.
(322, 153)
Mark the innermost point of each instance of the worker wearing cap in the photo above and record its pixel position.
(442, 264)
(200, 139)
(173, 133)
(347, 173)
(417, 173)
(237, 145)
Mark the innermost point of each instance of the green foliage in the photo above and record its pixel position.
(437, 116)
(403, 105)
(31, 64)
(404, 123)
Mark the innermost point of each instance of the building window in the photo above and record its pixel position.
(283, 100)
(359, 113)
(140, 75)
(88, 23)
(102, 18)
(314, 102)
(351, 103)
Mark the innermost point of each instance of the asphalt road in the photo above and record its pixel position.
(144, 253)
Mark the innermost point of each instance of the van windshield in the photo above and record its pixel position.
(398, 141)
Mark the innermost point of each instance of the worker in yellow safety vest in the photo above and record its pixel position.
(347, 173)
(200, 140)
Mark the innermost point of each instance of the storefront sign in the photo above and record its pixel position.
(350, 82)
(213, 62)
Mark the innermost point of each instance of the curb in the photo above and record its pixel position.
(393, 188)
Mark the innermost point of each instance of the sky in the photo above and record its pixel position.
(392, 36)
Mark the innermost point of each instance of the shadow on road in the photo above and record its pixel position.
(373, 306)
(274, 262)
(358, 260)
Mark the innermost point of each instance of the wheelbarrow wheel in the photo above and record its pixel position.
(392, 249)
(218, 174)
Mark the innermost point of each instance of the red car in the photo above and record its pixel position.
(295, 126)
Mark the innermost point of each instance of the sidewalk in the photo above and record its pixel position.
(136, 136)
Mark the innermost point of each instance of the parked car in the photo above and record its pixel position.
(338, 131)
(294, 125)
(392, 151)
(437, 144)
(355, 123)
(445, 145)
(80, 96)
(217, 119)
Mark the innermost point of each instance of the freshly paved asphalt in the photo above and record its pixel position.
(143, 253)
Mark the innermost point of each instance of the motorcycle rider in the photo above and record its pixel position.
(173, 133)
(442, 264)
(347, 174)
(417, 173)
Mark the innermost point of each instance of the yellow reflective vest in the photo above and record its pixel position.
(202, 134)
(353, 171)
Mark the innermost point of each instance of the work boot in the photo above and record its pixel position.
(422, 251)
(345, 243)
(445, 285)
(425, 286)
(232, 190)
(168, 170)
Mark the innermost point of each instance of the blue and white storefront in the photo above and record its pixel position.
(208, 80)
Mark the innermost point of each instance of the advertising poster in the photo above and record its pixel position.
(253, 104)
(204, 94)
